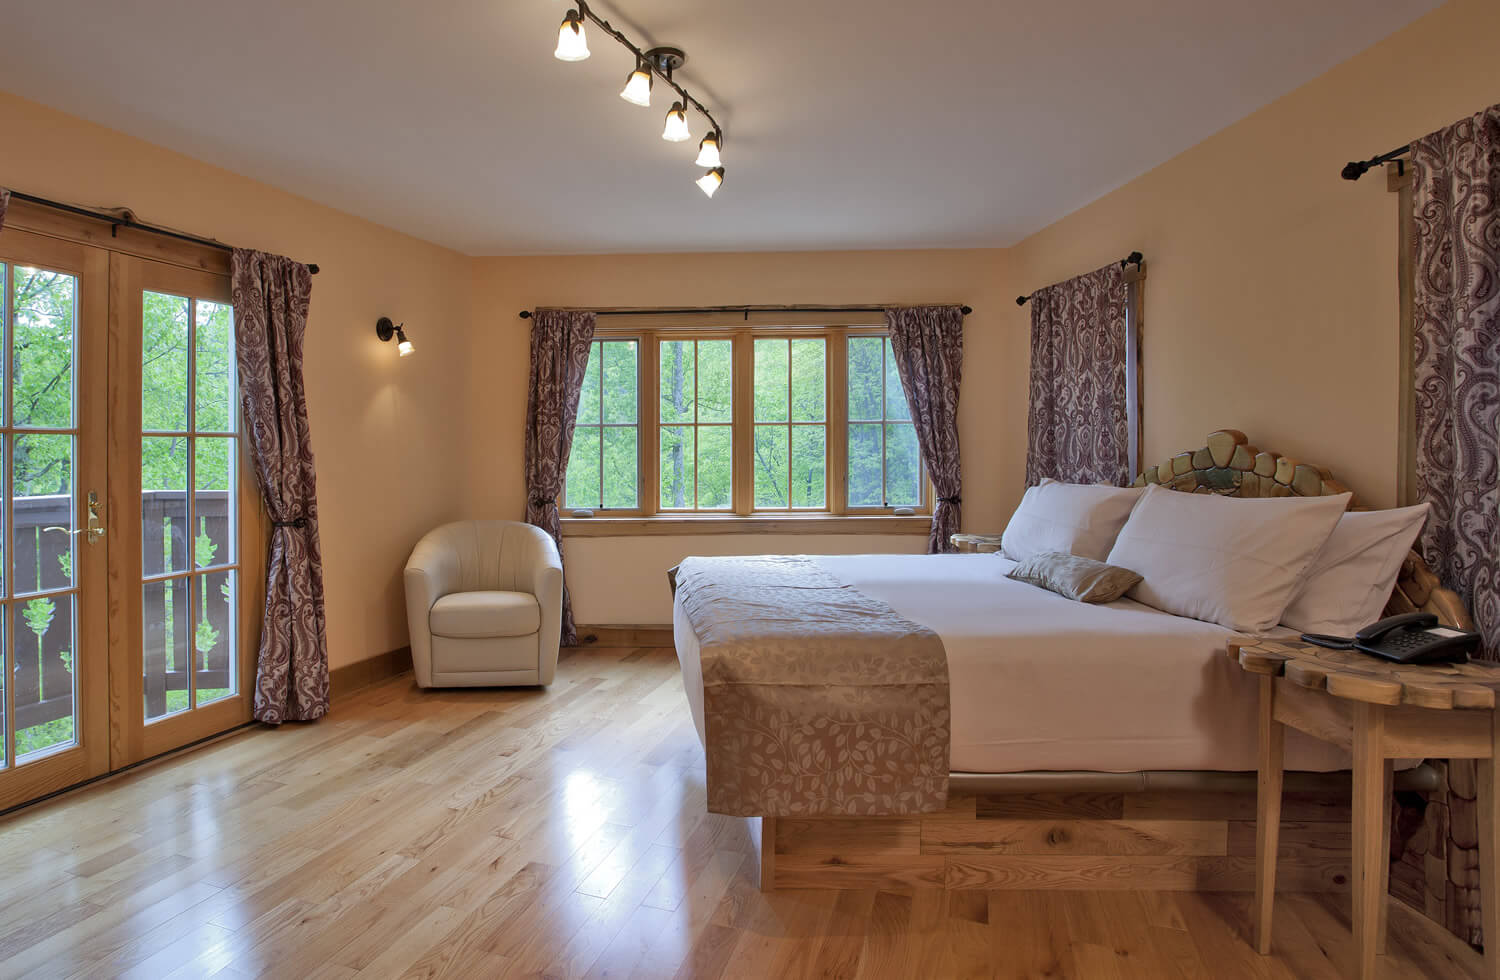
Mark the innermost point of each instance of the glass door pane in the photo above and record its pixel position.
(189, 540)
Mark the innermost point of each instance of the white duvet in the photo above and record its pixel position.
(1039, 682)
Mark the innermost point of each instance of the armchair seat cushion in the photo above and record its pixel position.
(485, 614)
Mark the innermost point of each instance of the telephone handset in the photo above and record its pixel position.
(1410, 638)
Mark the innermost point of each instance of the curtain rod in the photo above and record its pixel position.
(1355, 169)
(1134, 258)
(127, 220)
(747, 310)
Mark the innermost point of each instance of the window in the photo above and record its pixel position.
(696, 441)
(885, 464)
(746, 421)
(604, 464)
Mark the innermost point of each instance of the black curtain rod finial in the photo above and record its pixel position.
(1021, 300)
(966, 310)
(1134, 258)
(526, 314)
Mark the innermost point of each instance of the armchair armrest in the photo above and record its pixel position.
(431, 573)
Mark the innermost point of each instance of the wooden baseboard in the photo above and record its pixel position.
(1154, 840)
(349, 678)
(625, 636)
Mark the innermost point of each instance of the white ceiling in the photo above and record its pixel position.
(882, 124)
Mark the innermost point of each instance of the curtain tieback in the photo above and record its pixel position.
(950, 500)
(298, 522)
(540, 502)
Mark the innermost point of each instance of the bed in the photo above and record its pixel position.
(1087, 746)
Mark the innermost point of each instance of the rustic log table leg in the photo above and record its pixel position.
(1370, 811)
(1267, 813)
(1385, 855)
(1489, 851)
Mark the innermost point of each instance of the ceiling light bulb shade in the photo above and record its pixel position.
(710, 181)
(572, 45)
(637, 89)
(708, 152)
(677, 128)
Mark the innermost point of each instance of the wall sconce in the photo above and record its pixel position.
(385, 330)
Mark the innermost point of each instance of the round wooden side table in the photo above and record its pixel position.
(1378, 710)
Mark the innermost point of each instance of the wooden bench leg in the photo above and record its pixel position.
(1267, 813)
(1489, 851)
(1370, 813)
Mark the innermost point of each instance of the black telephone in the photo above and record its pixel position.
(1411, 638)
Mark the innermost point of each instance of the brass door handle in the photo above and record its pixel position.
(95, 529)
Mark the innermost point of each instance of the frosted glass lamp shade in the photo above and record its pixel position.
(572, 45)
(637, 89)
(710, 181)
(677, 128)
(708, 152)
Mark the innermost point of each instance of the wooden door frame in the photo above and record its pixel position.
(90, 756)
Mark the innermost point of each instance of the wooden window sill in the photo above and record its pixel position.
(683, 526)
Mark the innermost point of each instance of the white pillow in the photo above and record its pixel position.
(1069, 517)
(1351, 579)
(1235, 562)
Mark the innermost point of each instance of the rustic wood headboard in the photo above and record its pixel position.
(1231, 467)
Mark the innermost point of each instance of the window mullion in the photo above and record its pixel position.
(836, 420)
(742, 431)
(647, 417)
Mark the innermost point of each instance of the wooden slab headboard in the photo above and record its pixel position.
(1231, 467)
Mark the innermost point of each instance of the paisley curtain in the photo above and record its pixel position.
(1456, 384)
(927, 343)
(559, 356)
(4, 203)
(1077, 423)
(1456, 358)
(271, 298)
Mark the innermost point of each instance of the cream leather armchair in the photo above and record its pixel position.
(484, 605)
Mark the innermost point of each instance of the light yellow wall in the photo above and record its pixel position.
(1271, 304)
(389, 437)
(617, 580)
(1271, 307)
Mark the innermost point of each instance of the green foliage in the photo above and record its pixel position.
(696, 466)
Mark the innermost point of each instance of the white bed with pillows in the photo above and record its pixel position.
(1095, 640)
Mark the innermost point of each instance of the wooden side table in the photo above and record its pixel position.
(1379, 711)
(984, 543)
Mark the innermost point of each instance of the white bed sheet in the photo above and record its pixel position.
(1042, 683)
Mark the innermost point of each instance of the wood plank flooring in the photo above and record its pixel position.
(557, 833)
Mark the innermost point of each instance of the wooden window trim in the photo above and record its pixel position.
(742, 515)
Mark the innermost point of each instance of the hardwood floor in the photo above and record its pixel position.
(556, 833)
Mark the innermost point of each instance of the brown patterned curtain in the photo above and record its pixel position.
(559, 356)
(1455, 377)
(1078, 426)
(4, 203)
(928, 345)
(1456, 357)
(271, 297)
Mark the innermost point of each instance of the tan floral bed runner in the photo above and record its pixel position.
(818, 699)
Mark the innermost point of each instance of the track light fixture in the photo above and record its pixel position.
(637, 89)
(572, 44)
(659, 62)
(708, 151)
(710, 181)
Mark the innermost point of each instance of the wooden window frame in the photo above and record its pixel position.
(836, 517)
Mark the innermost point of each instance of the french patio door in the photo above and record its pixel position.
(184, 513)
(53, 568)
(131, 535)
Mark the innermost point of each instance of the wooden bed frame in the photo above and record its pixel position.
(1149, 831)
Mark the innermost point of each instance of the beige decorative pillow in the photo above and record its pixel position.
(1075, 577)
